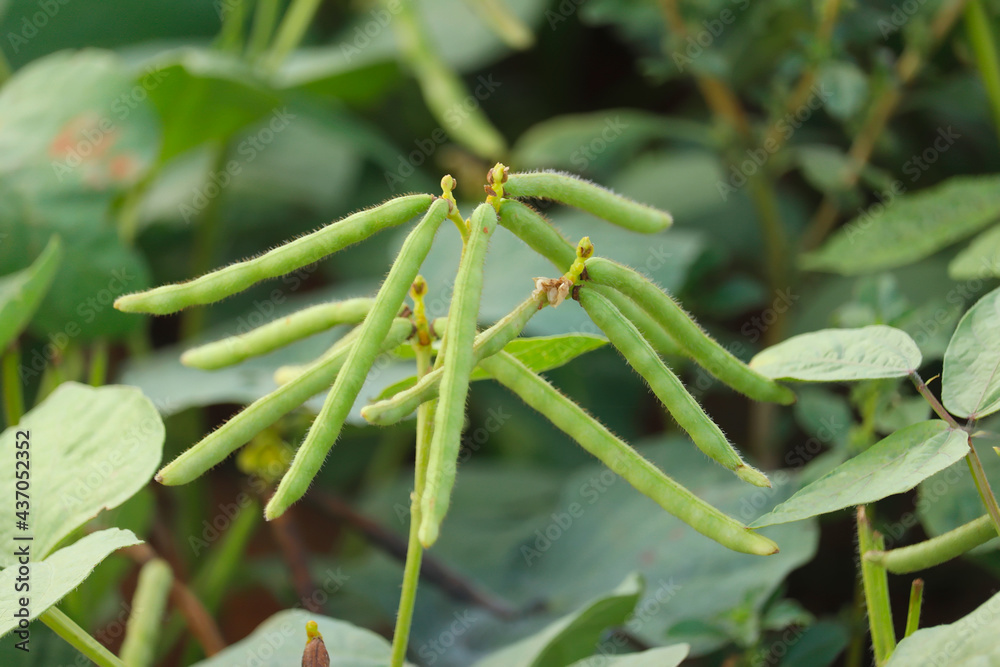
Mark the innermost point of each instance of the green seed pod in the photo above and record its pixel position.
(284, 259)
(699, 345)
(592, 198)
(936, 550)
(573, 420)
(529, 226)
(265, 411)
(326, 429)
(488, 343)
(146, 616)
(668, 388)
(449, 418)
(278, 333)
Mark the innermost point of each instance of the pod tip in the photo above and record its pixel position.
(428, 534)
(751, 475)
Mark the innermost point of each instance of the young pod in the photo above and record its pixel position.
(284, 259)
(325, 430)
(276, 334)
(589, 197)
(488, 343)
(266, 410)
(668, 388)
(593, 436)
(936, 550)
(456, 370)
(692, 338)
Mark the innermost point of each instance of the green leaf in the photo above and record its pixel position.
(666, 656)
(59, 573)
(280, 640)
(543, 353)
(970, 382)
(972, 640)
(817, 646)
(574, 636)
(826, 167)
(22, 292)
(848, 87)
(841, 355)
(90, 449)
(914, 226)
(981, 259)
(893, 465)
(539, 353)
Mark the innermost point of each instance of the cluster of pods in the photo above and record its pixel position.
(639, 319)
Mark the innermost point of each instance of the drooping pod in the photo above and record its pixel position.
(589, 197)
(685, 331)
(280, 332)
(936, 550)
(449, 417)
(668, 388)
(266, 410)
(326, 429)
(593, 436)
(488, 343)
(286, 258)
(539, 235)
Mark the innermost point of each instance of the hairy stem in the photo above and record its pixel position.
(876, 585)
(913, 612)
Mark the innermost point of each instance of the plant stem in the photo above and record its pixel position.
(910, 63)
(13, 394)
(932, 399)
(293, 28)
(233, 18)
(264, 19)
(78, 638)
(414, 550)
(146, 620)
(98, 374)
(987, 59)
(876, 585)
(916, 601)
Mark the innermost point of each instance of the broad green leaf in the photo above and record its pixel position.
(90, 449)
(826, 167)
(574, 636)
(56, 575)
(841, 355)
(893, 465)
(970, 382)
(914, 226)
(971, 641)
(279, 641)
(667, 656)
(76, 132)
(848, 87)
(981, 259)
(22, 292)
(817, 646)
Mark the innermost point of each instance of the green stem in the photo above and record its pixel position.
(876, 584)
(231, 36)
(264, 19)
(79, 639)
(13, 394)
(987, 58)
(983, 485)
(916, 601)
(414, 550)
(98, 375)
(291, 31)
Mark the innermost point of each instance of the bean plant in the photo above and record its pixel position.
(639, 319)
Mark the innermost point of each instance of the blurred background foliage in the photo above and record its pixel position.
(160, 139)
